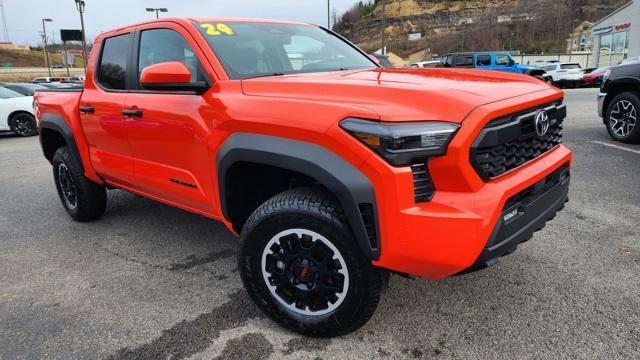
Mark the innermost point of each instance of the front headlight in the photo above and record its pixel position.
(403, 144)
(606, 74)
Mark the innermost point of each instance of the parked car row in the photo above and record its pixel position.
(51, 79)
(500, 61)
(562, 75)
(16, 102)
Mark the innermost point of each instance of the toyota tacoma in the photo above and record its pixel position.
(333, 171)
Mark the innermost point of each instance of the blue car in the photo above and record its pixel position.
(501, 61)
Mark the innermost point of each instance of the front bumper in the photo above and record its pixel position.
(524, 214)
(449, 233)
(569, 82)
(458, 231)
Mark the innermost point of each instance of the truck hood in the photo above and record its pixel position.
(400, 94)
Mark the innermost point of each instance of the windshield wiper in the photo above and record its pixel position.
(264, 75)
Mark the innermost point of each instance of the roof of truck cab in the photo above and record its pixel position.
(187, 20)
(238, 19)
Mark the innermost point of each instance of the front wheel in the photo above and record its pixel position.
(302, 267)
(622, 117)
(23, 124)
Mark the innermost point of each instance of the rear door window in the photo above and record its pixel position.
(483, 60)
(112, 70)
(503, 60)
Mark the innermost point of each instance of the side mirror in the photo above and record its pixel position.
(171, 75)
(375, 59)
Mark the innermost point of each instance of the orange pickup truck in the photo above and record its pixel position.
(333, 171)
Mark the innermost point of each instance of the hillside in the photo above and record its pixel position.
(531, 26)
(31, 59)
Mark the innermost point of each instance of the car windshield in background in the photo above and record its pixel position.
(570, 66)
(629, 60)
(249, 49)
(24, 88)
(6, 93)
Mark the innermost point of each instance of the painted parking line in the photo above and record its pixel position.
(616, 146)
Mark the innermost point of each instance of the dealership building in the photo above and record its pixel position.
(617, 36)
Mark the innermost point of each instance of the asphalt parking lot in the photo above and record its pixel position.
(151, 281)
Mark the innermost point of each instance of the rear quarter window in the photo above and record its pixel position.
(112, 69)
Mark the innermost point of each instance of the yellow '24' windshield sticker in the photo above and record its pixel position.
(217, 29)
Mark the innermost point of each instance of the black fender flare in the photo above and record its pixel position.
(59, 125)
(350, 186)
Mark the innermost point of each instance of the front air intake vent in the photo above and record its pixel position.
(423, 188)
(369, 220)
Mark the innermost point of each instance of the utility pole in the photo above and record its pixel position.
(5, 30)
(328, 15)
(80, 6)
(46, 54)
(66, 58)
(383, 50)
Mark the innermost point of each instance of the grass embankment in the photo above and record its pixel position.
(33, 58)
(28, 65)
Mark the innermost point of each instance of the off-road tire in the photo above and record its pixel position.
(315, 210)
(90, 198)
(632, 98)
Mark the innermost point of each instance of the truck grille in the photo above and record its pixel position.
(509, 142)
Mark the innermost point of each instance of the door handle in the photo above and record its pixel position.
(87, 109)
(132, 112)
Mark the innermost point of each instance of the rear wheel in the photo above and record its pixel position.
(83, 199)
(23, 124)
(302, 267)
(622, 117)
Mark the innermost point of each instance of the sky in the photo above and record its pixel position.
(24, 17)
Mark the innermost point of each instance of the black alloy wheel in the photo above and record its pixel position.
(24, 124)
(69, 192)
(622, 118)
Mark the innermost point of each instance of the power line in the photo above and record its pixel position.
(4, 22)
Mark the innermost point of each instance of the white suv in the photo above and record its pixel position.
(565, 74)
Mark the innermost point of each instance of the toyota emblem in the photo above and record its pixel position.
(542, 123)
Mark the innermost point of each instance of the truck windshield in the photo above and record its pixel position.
(248, 50)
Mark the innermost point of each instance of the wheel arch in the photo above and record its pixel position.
(55, 133)
(16, 112)
(617, 87)
(305, 161)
